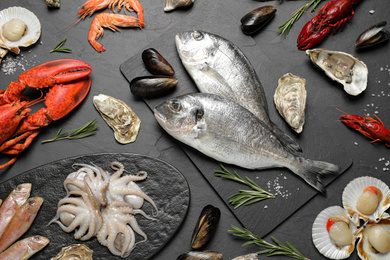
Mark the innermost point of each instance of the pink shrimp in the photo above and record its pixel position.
(110, 21)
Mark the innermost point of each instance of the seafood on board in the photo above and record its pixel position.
(362, 218)
(152, 86)
(342, 67)
(227, 132)
(290, 100)
(333, 14)
(256, 19)
(103, 205)
(373, 36)
(119, 116)
(17, 213)
(218, 66)
(156, 64)
(19, 27)
(69, 84)
(369, 127)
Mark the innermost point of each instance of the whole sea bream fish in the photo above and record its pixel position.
(229, 133)
(217, 66)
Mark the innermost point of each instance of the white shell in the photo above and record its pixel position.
(321, 238)
(356, 80)
(353, 191)
(173, 4)
(364, 248)
(119, 116)
(290, 100)
(33, 28)
(3, 52)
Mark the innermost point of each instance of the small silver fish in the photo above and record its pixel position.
(217, 66)
(229, 133)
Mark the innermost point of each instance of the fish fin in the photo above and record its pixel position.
(287, 141)
(313, 171)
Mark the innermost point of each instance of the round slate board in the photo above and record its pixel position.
(164, 184)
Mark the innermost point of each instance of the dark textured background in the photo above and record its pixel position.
(270, 54)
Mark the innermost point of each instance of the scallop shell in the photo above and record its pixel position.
(119, 116)
(321, 238)
(348, 70)
(33, 28)
(74, 252)
(353, 191)
(3, 52)
(173, 4)
(290, 100)
(364, 248)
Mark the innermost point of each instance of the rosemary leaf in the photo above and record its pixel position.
(269, 249)
(59, 49)
(286, 26)
(244, 197)
(84, 131)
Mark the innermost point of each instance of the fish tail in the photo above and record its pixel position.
(313, 171)
(287, 141)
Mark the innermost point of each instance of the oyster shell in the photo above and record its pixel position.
(173, 4)
(354, 190)
(119, 116)
(74, 252)
(341, 67)
(290, 100)
(205, 226)
(256, 19)
(374, 237)
(372, 36)
(321, 237)
(32, 33)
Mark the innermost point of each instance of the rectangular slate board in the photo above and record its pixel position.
(317, 140)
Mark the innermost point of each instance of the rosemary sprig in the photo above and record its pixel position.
(244, 197)
(84, 131)
(59, 49)
(286, 26)
(270, 249)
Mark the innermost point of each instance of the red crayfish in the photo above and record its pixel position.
(368, 126)
(333, 14)
(69, 82)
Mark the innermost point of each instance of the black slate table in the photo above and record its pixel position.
(280, 56)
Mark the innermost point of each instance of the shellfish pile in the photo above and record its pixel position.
(104, 205)
(362, 218)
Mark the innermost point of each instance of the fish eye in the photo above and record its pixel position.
(175, 106)
(198, 35)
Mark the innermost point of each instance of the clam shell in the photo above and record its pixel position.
(173, 4)
(321, 238)
(353, 191)
(152, 86)
(256, 19)
(119, 116)
(205, 226)
(156, 64)
(290, 100)
(348, 70)
(372, 36)
(33, 28)
(364, 248)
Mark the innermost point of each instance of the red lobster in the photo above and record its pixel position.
(333, 14)
(368, 126)
(70, 84)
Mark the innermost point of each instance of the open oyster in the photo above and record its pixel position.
(19, 27)
(74, 252)
(343, 68)
(323, 239)
(354, 191)
(290, 100)
(119, 116)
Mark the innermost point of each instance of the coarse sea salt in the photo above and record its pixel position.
(11, 65)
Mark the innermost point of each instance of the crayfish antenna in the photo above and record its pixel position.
(78, 20)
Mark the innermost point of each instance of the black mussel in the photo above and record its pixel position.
(256, 19)
(199, 255)
(152, 86)
(205, 226)
(156, 64)
(373, 36)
